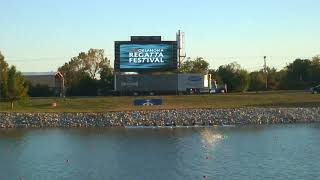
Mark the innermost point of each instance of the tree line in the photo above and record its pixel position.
(299, 75)
(90, 74)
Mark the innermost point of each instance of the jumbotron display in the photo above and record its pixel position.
(132, 57)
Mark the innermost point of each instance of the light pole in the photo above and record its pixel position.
(265, 71)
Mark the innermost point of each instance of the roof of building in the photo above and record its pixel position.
(40, 73)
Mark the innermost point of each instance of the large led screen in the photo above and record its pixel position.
(137, 56)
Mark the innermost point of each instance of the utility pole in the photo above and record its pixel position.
(265, 71)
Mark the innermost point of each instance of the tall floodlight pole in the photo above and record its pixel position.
(265, 71)
(181, 47)
(178, 49)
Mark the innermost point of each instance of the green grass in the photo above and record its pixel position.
(125, 103)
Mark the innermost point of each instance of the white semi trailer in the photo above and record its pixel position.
(149, 84)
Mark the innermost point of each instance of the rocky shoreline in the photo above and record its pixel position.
(179, 117)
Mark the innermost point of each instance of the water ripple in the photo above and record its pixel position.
(247, 152)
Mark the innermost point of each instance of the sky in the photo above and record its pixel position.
(41, 35)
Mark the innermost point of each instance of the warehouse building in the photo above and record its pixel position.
(54, 80)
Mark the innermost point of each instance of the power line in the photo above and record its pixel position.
(46, 57)
(31, 60)
(28, 59)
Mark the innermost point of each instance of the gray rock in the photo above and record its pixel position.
(181, 117)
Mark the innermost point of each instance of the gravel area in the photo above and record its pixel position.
(181, 117)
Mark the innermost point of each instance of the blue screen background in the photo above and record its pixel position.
(124, 56)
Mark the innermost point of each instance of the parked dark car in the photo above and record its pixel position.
(315, 90)
(218, 90)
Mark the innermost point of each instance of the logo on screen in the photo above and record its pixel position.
(145, 56)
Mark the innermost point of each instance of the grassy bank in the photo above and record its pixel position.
(100, 104)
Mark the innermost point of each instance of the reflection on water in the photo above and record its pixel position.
(12, 133)
(248, 152)
(210, 136)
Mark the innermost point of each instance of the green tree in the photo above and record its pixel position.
(82, 67)
(17, 87)
(94, 61)
(198, 65)
(283, 83)
(241, 81)
(106, 80)
(237, 79)
(12, 84)
(315, 71)
(3, 77)
(274, 79)
(299, 74)
(257, 81)
(73, 71)
(186, 66)
(85, 87)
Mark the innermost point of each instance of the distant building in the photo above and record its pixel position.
(54, 80)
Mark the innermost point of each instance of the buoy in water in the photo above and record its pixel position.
(205, 177)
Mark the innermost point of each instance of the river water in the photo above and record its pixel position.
(246, 152)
